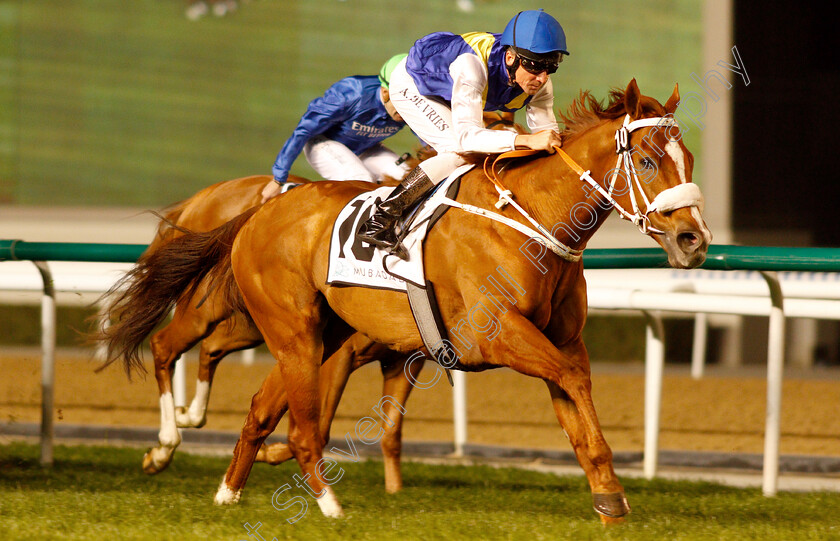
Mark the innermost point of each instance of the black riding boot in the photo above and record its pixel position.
(378, 230)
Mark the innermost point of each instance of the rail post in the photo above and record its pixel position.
(775, 374)
(48, 319)
(654, 366)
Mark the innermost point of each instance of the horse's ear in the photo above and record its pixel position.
(673, 101)
(632, 99)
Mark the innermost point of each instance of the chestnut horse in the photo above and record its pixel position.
(274, 259)
(222, 333)
(197, 317)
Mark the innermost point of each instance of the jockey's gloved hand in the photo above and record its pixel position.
(271, 189)
(543, 140)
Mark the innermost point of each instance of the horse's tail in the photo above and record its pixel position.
(146, 295)
(168, 225)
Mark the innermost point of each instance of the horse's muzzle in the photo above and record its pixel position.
(687, 248)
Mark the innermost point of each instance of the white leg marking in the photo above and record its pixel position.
(329, 504)
(675, 152)
(226, 496)
(168, 435)
(195, 415)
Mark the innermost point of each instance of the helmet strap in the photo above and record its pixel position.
(512, 68)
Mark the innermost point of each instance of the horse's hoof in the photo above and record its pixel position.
(611, 521)
(152, 466)
(613, 505)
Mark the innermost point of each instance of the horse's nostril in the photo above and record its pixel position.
(688, 240)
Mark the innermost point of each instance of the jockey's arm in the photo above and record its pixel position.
(311, 124)
(469, 76)
(321, 114)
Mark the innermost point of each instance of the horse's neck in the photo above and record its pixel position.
(552, 192)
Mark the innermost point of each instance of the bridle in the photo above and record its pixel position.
(683, 195)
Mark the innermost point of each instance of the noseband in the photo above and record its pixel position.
(682, 195)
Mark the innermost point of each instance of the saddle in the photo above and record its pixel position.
(354, 262)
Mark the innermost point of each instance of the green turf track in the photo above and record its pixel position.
(99, 493)
(127, 103)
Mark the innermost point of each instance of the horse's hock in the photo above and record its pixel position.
(723, 412)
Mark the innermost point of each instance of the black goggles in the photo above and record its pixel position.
(536, 67)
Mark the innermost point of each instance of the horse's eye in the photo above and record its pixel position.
(647, 163)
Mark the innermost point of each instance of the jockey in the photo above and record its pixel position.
(443, 87)
(340, 133)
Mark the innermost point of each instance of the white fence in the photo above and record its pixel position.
(652, 292)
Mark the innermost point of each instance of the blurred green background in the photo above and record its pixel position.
(129, 103)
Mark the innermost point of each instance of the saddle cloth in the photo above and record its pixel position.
(353, 262)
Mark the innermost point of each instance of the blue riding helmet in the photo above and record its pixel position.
(535, 31)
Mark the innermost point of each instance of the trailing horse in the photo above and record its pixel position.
(636, 163)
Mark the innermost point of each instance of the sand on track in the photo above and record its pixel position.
(724, 411)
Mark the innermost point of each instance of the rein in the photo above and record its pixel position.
(541, 234)
(683, 195)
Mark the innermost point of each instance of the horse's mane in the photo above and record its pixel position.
(586, 112)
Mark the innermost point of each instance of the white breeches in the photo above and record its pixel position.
(430, 120)
(334, 161)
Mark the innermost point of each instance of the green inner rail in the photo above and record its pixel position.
(720, 257)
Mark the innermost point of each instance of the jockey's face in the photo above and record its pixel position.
(529, 82)
(389, 106)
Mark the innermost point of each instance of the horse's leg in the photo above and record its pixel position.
(396, 386)
(189, 324)
(233, 334)
(571, 397)
(297, 344)
(355, 353)
(333, 378)
(267, 408)
(528, 351)
(591, 449)
(167, 345)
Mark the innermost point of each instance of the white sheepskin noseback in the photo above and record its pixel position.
(677, 197)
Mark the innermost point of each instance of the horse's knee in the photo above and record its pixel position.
(261, 421)
(257, 426)
(305, 452)
(575, 379)
(305, 447)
